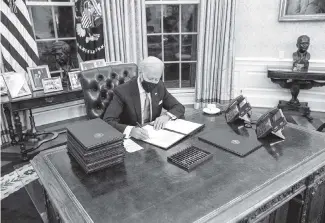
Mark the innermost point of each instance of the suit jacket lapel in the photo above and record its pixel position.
(136, 98)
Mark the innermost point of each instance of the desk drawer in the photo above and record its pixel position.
(51, 99)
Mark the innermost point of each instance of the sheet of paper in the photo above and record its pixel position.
(162, 138)
(131, 146)
(182, 126)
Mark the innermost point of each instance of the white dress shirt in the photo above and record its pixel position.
(142, 94)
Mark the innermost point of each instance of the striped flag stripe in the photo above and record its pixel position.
(6, 64)
(13, 19)
(7, 56)
(22, 7)
(19, 59)
(24, 49)
(11, 28)
(21, 19)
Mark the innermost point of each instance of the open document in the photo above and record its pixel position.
(162, 138)
(182, 126)
(173, 132)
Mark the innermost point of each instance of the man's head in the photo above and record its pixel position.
(150, 71)
(61, 50)
(303, 43)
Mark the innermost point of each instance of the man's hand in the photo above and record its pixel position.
(160, 122)
(139, 133)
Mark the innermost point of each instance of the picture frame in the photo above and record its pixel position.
(16, 84)
(295, 10)
(3, 86)
(74, 80)
(113, 63)
(52, 84)
(36, 75)
(90, 64)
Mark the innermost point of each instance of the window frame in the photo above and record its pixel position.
(49, 3)
(180, 89)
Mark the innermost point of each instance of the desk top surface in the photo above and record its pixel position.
(146, 188)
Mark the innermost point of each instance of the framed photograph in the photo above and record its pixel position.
(52, 84)
(298, 10)
(37, 74)
(92, 64)
(113, 63)
(74, 80)
(17, 84)
(3, 86)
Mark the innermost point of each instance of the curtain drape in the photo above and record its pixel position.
(126, 32)
(215, 52)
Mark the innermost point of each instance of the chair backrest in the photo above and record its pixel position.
(98, 84)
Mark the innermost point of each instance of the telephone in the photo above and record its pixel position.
(273, 122)
(237, 109)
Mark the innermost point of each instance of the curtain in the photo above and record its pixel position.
(215, 52)
(126, 30)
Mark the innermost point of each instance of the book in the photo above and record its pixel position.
(173, 132)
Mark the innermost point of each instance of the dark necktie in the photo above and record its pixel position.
(146, 111)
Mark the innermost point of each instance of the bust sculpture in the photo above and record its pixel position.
(62, 52)
(301, 56)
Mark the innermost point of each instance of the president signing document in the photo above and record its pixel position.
(141, 100)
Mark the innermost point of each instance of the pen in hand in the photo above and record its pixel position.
(141, 132)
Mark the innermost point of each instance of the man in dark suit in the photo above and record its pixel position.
(141, 100)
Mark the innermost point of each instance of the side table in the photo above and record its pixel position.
(38, 99)
(295, 81)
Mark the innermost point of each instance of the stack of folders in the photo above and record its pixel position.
(95, 144)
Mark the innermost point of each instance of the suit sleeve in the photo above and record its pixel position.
(113, 112)
(171, 104)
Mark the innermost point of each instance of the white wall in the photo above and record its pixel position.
(260, 38)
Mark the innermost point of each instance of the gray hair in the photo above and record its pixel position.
(150, 62)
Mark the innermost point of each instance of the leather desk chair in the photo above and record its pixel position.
(98, 84)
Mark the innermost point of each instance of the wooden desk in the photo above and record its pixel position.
(38, 99)
(227, 188)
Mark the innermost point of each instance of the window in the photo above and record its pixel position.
(53, 21)
(172, 37)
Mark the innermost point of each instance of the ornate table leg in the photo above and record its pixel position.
(11, 129)
(295, 89)
(19, 130)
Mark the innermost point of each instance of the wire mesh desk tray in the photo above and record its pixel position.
(189, 158)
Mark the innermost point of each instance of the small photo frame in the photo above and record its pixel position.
(113, 63)
(74, 80)
(86, 65)
(52, 84)
(17, 84)
(3, 86)
(37, 74)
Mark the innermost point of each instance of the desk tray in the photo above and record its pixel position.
(189, 158)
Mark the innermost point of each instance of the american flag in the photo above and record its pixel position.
(18, 47)
(86, 19)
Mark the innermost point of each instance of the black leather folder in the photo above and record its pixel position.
(95, 145)
(241, 141)
(94, 133)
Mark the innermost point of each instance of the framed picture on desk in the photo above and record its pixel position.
(74, 80)
(87, 65)
(36, 75)
(52, 84)
(17, 84)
